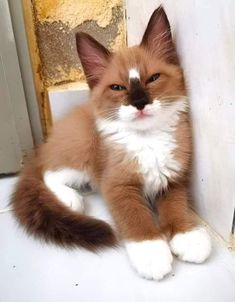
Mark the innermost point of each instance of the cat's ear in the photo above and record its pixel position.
(94, 57)
(157, 37)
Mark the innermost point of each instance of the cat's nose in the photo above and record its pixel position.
(140, 103)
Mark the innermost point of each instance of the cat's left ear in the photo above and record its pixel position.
(157, 37)
(93, 56)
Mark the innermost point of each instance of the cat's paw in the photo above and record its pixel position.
(192, 246)
(152, 259)
(70, 198)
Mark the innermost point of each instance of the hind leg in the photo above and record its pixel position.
(62, 182)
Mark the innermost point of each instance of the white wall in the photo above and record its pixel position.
(63, 98)
(204, 31)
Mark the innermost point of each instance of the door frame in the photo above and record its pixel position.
(20, 137)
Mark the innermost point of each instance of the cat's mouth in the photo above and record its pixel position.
(142, 114)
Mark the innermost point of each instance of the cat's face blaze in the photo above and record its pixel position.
(134, 86)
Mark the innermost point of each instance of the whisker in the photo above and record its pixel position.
(169, 97)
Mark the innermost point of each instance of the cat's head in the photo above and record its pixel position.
(137, 85)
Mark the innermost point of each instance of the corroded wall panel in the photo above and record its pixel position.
(56, 22)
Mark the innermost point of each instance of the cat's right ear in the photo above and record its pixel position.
(93, 56)
(157, 37)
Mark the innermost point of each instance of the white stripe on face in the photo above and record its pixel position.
(134, 74)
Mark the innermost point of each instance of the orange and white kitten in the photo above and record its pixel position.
(132, 141)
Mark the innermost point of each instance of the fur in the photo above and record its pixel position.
(133, 74)
(192, 246)
(151, 258)
(131, 140)
(60, 182)
(153, 150)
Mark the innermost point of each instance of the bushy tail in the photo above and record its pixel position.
(42, 215)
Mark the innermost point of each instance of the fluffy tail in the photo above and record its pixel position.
(42, 215)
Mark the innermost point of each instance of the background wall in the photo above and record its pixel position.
(51, 26)
(204, 32)
(56, 23)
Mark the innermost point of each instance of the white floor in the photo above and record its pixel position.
(32, 271)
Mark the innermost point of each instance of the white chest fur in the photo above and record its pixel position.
(153, 150)
(155, 156)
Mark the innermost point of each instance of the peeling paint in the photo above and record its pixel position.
(56, 39)
(120, 39)
(63, 77)
(75, 12)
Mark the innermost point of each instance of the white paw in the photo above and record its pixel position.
(192, 246)
(70, 198)
(59, 182)
(152, 259)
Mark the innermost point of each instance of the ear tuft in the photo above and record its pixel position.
(94, 57)
(157, 37)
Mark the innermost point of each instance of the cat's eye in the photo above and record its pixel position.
(153, 78)
(117, 87)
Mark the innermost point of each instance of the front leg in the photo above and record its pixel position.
(146, 246)
(189, 241)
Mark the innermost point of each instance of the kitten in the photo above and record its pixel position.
(132, 140)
